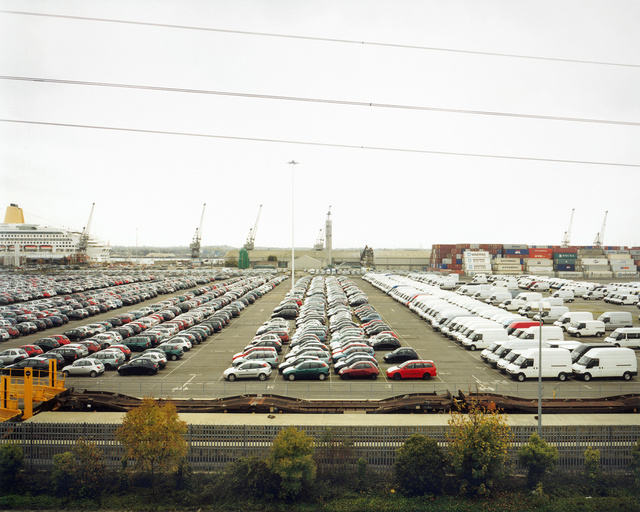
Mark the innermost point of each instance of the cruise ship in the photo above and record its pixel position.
(21, 242)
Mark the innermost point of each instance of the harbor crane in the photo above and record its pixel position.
(195, 244)
(319, 245)
(83, 243)
(598, 242)
(566, 239)
(249, 244)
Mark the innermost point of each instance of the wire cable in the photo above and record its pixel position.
(318, 144)
(320, 39)
(317, 100)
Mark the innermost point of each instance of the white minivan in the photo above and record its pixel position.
(614, 319)
(556, 364)
(607, 362)
(625, 337)
(586, 328)
(565, 295)
(551, 314)
(483, 337)
(549, 333)
(573, 316)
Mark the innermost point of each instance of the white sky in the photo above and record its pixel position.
(402, 194)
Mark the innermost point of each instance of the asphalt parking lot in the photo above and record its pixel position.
(199, 373)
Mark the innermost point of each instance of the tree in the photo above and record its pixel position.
(11, 463)
(271, 257)
(539, 458)
(478, 447)
(152, 435)
(635, 461)
(81, 471)
(420, 466)
(592, 469)
(291, 458)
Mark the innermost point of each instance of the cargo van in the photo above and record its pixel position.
(625, 337)
(541, 286)
(483, 337)
(471, 326)
(583, 348)
(447, 314)
(549, 333)
(520, 300)
(565, 295)
(551, 314)
(452, 322)
(531, 309)
(615, 319)
(522, 325)
(586, 328)
(507, 347)
(573, 316)
(555, 364)
(498, 296)
(607, 362)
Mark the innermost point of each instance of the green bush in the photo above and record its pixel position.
(11, 463)
(539, 458)
(63, 474)
(419, 466)
(592, 469)
(249, 477)
(291, 458)
(635, 461)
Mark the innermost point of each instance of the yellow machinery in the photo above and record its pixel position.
(29, 389)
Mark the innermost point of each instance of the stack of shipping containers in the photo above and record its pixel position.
(565, 260)
(540, 261)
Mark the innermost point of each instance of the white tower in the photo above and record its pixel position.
(329, 238)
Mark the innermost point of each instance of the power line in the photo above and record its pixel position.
(308, 143)
(320, 39)
(318, 100)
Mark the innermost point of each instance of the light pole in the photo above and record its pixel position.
(293, 163)
(540, 372)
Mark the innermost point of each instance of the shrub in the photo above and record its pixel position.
(539, 458)
(592, 469)
(478, 444)
(635, 461)
(63, 473)
(420, 466)
(291, 458)
(249, 477)
(11, 463)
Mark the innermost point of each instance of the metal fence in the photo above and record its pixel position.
(213, 446)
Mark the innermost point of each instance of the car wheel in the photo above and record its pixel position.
(578, 335)
(93, 373)
(107, 366)
(173, 357)
(562, 377)
(262, 376)
(322, 376)
(521, 377)
(626, 376)
(373, 376)
(344, 376)
(426, 376)
(291, 376)
(599, 334)
(587, 377)
(231, 377)
(397, 376)
(65, 373)
(472, 348)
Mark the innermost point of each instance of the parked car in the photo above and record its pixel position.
(249, 370)
(360, 370)
(139, 366)
(83, 368)
(412, 369)
(40, 366)
(13, 355)
(111, 359)
(307, 370)
(400, 355)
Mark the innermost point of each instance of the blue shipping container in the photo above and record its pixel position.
(565, 268)
(517, 251)
(458, 262)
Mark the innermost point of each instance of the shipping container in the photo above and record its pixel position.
(517, 251)
(565, 268)
(594, 261)
(565, 261)
(514, 246)
(565, 255)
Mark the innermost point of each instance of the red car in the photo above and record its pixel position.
(92, 346)
(32, 350)
(360, 370)
(123, 348)
(415, 369)
(61, 338)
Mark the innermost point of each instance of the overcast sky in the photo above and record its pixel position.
(418, 122)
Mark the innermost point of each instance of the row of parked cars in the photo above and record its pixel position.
(159, 332)
(509, 338)
(335, 325)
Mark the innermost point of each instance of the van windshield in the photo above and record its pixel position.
(585, 360)
(511, 356)
(526, 336)
(520, 360)
(493, 347)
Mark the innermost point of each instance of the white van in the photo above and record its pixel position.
(498, 296)
(551, 314)
(625, 337)
(541, 286)
(520, 300)
(508, 346)
(483, 337)
(615, 319)
(471, 326)
(556, 363)
(573, 316)
(565, 295)
(549, 333)
(586, 328)
(607, 362)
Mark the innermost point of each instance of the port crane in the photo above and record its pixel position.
(566, 239)
(598, 242)
(249, 244)
(319, 245)
(195, 244)
(83, 243)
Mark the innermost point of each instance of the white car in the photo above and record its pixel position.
(248, 370)
(84, 367)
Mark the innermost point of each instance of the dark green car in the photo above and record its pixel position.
(137, 343)
(173, 351)
(307, 370)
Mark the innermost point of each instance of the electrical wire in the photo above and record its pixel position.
(320, 39)
(317, 100)
(318, 144)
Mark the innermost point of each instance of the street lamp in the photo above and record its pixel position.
(293, 163)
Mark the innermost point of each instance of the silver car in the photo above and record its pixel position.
(13, 355)
(84, 367)
(111, 359)
(249, 370)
